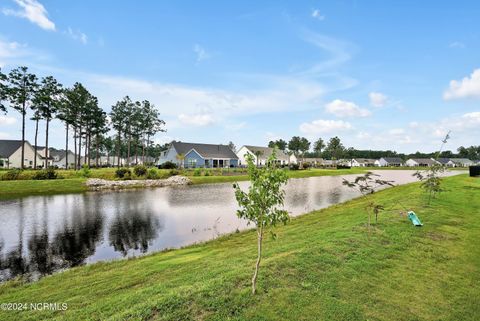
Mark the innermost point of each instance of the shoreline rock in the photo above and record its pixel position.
(101, 184)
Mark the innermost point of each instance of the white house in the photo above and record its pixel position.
(261, 154)
(362, 162)
(389, 161)
(421, 162)
(11, 154)
(461, 162)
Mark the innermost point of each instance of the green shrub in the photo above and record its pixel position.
(140, 170)
(168, 165)
(12, 175)
(152, 173)
(294, 167)
(197, 172)
(123, 172)
(84, 171)
(173, 172)
(207, 173)
(44, 174)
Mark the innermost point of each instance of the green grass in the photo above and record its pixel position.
(12, 189)
(323, 266)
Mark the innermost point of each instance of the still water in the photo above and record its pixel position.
(43, 234)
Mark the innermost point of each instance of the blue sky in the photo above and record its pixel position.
(379, 74)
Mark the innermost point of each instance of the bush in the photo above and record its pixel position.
(12, 175)
(140, 170)
(152, 173)
(207, 173)
(43, 174)
(306, 165)
(85, 171)
(197, 172)
(294, 167)
(168, 165)
(123, 173)
(174, 172)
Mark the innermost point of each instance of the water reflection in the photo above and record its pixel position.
(43, 234)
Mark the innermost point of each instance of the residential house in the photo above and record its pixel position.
(461, 162)
(314, 161)
(420, 162)
(58, 158)
(261, 154)
(192, 155)
(446, 162)
(11, 154)
(362, 162)
(389, 161)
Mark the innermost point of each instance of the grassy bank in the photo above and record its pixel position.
(72, 183)
(322, 266)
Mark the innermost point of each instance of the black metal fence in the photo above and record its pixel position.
(474, 171)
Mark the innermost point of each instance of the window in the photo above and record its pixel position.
(192, 162)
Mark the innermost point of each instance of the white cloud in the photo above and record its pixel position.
(377, 99)
(317, 15)
(466, 88)
(197, 119)
(201, 53)
(396, 131)
(321, 126)
(341, 108)
(33, 11)
(457, 44)
(6, 120)
(77, 35)
(9, 50)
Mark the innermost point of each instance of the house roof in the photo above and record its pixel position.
(8, 147)
(205, 150)
(427, 161)
(266, 152)
(461, 160)
(396, 160)
(313, 159)
(365, 160)
(443, 161)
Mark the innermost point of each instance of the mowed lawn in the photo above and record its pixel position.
(323, 266)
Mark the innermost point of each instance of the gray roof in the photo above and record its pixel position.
(365, 160)
(443, 161)
(8, 147)
(461, 160)
(205, 150)
(427, 161)
(266, 152)
(395, 160)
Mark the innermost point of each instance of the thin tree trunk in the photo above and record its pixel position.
(128, 152)
(75, 148)
(23, 137)
(79, 148)
(89, 142)
(96, 152)
(66, 148)
(143, 150)
(136, 152)
(36, 145)
(259, 257)
(118, 150)
(46, 142)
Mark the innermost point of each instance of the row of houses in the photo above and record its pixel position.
(193, 155)
(412, 162)
(11, 157)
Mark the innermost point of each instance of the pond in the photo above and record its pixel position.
(40, 235)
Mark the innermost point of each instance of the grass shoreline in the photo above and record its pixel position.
(322, 266)
(22, 188)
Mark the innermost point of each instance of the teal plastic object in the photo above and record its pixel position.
(414, 218)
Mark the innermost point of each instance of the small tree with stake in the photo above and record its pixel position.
(262, 203)
(367, 184)
(431, 180)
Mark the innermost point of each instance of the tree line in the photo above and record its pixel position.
(334, 149)
(79, 110)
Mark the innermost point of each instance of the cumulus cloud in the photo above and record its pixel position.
(33, 11)
(77, 35)
(468, 87)
(322, 126)
(6, 120)
(377, 99)
(196, 119)
(457, 44)
(317, 15)
(341, 108)
(202, 53)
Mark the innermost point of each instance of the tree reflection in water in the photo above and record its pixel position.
(133, 228)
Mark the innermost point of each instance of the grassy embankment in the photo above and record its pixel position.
(322, 266)
(72, 182)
